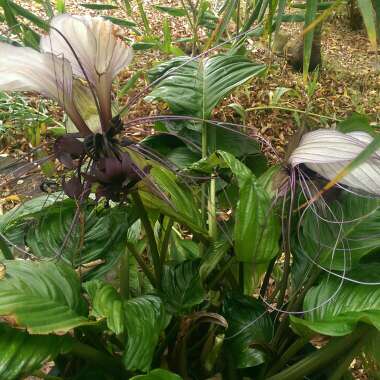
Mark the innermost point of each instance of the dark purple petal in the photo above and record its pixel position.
(75, 189)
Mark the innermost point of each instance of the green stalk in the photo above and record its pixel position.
(165, 242)
(143, 265)
(140, 5)
(8, 255)
(150, 236)
(320, 358)
(100, 359)
(212, 225)
(287, 355)
(124, 275)
(343, 366)
(292, 110)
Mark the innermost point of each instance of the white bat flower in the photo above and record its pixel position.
(327, 152)
(80, 47)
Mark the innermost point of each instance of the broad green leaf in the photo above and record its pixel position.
(107, 303)
(158, 374)
(176, 12)
(213, 256)
(21, 354)
(195, 87)
(257, 229)
(145, 320)
(353, 303)
(96, 234)
(310, 15)
(249, 325)
(43, 297)
(142, 319)
(343, 233)
(181, 287)
(224, 160)
(369, 18)
(180, 203)
(99, 7)
(356, 122)
(182, 249)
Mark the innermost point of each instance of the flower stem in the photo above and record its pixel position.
(320, 358)
(143, 265)
(8, 255)
(150, 236)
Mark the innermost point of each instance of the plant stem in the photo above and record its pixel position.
(212, 225)
(343, 366)
(165, 242)
(291, 110)
(150, 236)
(143, 265)
(288, 354)
(8, 255)
(268, 273)
(100, 359)
(124, 274)
(320, 358)
(221, 273)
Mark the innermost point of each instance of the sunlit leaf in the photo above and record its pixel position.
(197, 86)
(43, 297)
(353, 303)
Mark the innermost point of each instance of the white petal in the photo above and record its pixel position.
(72, 39)
(328, 151)
(25, 69)
(92, 46)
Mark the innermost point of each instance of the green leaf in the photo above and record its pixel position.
(99, 7)
(10, 18)
(60, 6)
(142, 319)
(130, 83)
(21, 354)
(182, 288)
(310, 15)
(43, 297)
(145, 319)
(176, 12)
(249, 325)
(101, 235)
(195, 87)
(180, 204)
(21, 11)
(341, 245)
(257, 228)
(353, 303)
(369, 18)
(214, 255)
(158, 374)
(107, 303)
(120, 21)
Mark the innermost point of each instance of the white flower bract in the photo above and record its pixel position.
(327, 152)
